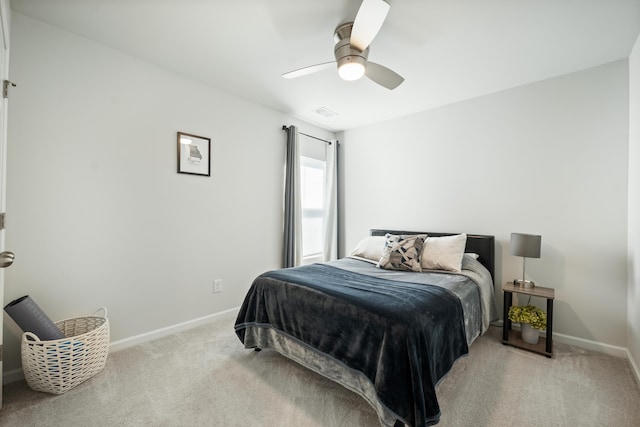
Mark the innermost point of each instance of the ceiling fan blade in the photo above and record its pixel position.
(308, 70)
(368, 22)
(383, 76)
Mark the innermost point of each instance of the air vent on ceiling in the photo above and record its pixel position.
(323, 111)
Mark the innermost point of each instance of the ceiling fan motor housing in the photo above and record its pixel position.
(346, 54)
(343, 50)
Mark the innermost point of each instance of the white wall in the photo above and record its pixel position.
(98, 215)
(633, 299)
(547, 158)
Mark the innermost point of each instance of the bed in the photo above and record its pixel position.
(387, 334)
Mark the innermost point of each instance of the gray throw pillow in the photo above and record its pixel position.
(402, 252)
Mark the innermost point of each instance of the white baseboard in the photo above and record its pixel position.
(17, 374)
(163, 332)
(12, 376)
(609, 349)
(634, 366)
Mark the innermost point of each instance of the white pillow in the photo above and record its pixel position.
(443, 253)
(370, 248)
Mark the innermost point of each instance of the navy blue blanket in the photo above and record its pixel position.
(403, 337)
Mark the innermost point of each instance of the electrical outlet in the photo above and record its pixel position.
(217, 286)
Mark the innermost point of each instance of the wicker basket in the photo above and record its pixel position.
(57, 366)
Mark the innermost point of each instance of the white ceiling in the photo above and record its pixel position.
(447, 50)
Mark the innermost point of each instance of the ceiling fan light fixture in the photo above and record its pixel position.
(351, 50)
(351, 71)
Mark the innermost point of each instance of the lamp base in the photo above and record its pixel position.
(524, 283)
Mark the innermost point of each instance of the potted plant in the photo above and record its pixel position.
(531, 318)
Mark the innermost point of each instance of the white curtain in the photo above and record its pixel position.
(330, 249)
(292, 254)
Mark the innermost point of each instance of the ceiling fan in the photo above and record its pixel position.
(352, 48)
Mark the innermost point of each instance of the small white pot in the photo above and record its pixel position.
(529, 335)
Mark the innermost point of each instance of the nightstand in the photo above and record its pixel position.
(513, 338)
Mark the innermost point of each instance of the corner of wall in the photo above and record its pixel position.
(634, 367)
(633, 281)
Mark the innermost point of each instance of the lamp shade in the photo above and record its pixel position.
(525, 245)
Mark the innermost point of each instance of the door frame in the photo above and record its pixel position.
(4, 75)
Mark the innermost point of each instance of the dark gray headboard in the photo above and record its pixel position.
(483, 245)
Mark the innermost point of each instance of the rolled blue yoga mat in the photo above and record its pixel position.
(30, 317)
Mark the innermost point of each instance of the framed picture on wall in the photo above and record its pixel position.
(194, 154)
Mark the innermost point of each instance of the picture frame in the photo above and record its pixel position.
(194, 154)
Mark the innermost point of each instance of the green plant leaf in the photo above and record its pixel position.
(530, 314)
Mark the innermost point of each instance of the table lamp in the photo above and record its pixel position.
(526, 246)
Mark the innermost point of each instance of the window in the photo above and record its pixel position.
(312, 175)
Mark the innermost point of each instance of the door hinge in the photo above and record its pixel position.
(5, 88)
(1, 353)
(2, 218)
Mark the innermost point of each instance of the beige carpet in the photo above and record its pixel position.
(203, 377)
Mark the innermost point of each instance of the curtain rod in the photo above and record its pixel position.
(285, 127)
